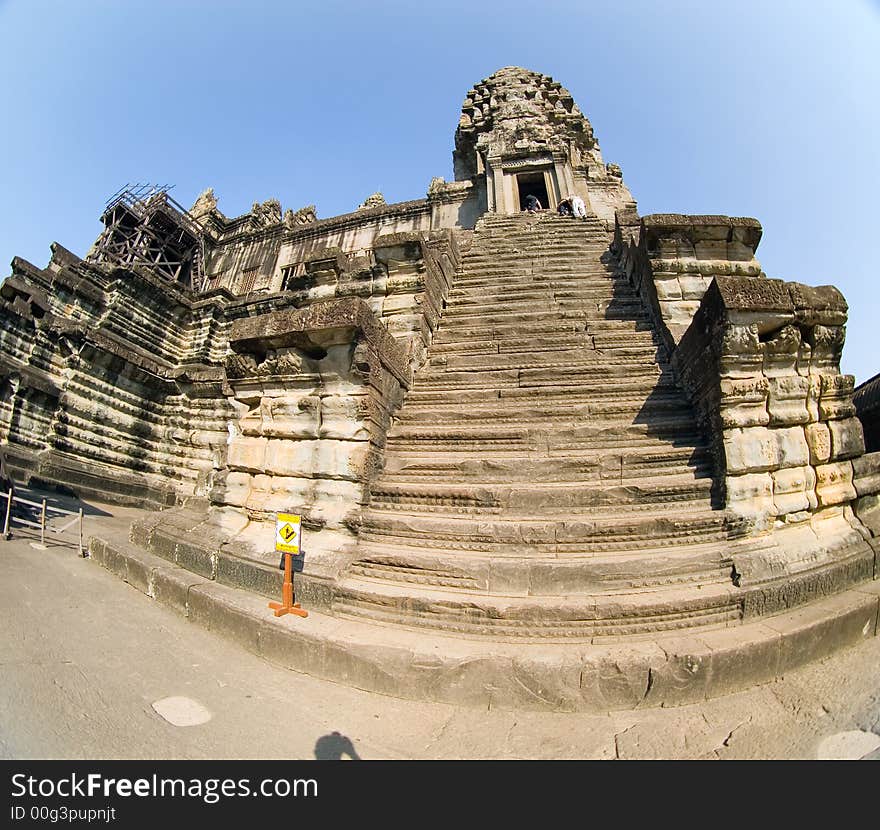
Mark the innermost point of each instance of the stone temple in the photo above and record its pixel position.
(541, 461)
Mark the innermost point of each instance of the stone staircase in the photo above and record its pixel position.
(545, 477)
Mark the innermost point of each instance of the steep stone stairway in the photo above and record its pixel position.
(545, 477)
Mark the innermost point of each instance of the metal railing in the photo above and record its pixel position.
(47, 513)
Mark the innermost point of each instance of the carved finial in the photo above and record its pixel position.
(267, 213)
(205, 203)
(304, 216)
(375, 200)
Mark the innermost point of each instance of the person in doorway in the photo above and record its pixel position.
(579, 209)
(564, 208)
(532, 204)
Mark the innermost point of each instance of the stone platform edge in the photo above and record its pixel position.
(577, 677)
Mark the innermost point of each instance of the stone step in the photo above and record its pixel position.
(615, 409)
(512, 234)
(561, 264)
(546, 618)
(455, 443)
(546, 438)
(559, 310)
(608, 528)
(464, 332)
(511, 573)
(592, 387)
(492, 671)
(642, 462)
(507, 295)
(505, 379)
(570, 358)
(546, 498)
(543, 434)
(554, 342)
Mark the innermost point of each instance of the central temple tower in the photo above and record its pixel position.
(521, 132)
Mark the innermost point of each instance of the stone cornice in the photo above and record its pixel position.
(321, 227)
(299, 327)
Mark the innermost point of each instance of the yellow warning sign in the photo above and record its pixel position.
(288, 528)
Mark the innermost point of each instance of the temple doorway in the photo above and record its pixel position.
(534, 184)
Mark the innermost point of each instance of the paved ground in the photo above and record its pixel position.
(84, 658)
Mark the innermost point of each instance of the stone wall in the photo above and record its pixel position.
(101, 389)
(123, 385)
(672, 258)
(317, 385)
(761, 361)
(248, 258)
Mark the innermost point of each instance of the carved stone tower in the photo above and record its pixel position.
(521, 132)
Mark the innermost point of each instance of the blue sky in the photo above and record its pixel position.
(766, 109)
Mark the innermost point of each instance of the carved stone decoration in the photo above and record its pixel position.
(266, 213)
(375, 200)
(304, 216)
(205, 204)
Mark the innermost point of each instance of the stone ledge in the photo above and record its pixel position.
(294, 327)
(626, 674)
(697, 220)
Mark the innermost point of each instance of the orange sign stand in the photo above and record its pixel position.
(287, 605)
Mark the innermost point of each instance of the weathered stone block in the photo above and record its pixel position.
(820, 305)
(667, 287)
(866, 474)
(682, 676)
(835, 399)
(290, 417)
(834, 483)
(741, 339)
(788, 400)
(751, 494)
(867, 508)
(399, 304)
(847, 438)
(792, 447)
(247, 454)
(751, 449)
(340, 459)
(238, 486)
(336, 502)
(286, 494)
(221, 610)
(342, 417)
(693, 286)
(814, 632)
(794, 490)
(741, 657)
(744, 402)
(291, 458)
(819, 442)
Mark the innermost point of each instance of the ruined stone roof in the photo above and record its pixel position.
(866, 397)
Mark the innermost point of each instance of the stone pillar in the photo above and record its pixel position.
(495, 186)
(564, 177)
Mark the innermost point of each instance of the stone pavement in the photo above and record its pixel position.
(89, 663)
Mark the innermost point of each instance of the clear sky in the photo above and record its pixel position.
(759, 108)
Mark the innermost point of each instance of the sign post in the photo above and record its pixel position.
(288, 530)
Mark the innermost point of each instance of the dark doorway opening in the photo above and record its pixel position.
(532, 184)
